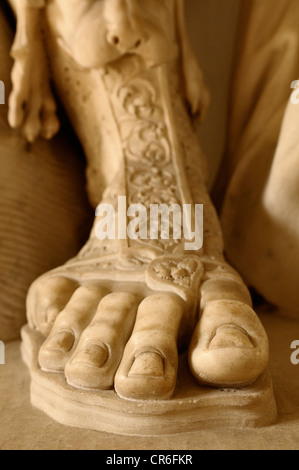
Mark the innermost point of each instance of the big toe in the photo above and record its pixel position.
(229, 347)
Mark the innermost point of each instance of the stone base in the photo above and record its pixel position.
(191, 409)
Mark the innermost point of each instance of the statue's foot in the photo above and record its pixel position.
(229, 347)
(124, 335)
(102, 340)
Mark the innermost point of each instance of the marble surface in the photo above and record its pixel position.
(25, 428)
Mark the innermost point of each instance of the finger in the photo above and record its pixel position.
(32, 127)
(18, 96)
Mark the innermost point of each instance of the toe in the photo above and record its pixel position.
(99, 352)
(229, 347)
(46, 299)
(68, 326)
(150, 362)
(58, 346)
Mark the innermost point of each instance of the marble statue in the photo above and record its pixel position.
(118, 314)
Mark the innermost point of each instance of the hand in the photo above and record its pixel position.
(31, 103)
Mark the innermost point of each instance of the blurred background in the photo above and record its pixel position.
(213, 27)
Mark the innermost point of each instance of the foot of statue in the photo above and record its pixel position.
(127, 334)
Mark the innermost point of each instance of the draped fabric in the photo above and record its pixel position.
(258, 181)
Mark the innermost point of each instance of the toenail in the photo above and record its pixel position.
(93, 355)
(148, 363)
(62, 341)
(231, 336)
